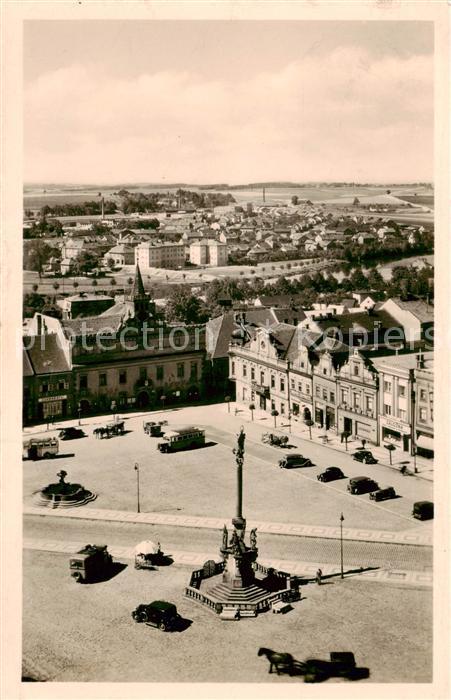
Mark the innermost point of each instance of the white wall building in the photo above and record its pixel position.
(208, 252)
(165, 255)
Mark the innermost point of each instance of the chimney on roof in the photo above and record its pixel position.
(420, 360)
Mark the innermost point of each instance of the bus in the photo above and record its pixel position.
(40, 448)
(182, 439)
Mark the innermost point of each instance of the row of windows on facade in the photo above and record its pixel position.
(326, 371)
(402, 413)
(57, 386)
(387, 384)
(143, 375)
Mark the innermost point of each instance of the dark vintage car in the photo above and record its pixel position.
(383, 494)
(364, 456)
(71, 433)
(423, 510)
(330, 474)
(293, 461)
(362, 484)
(157, 614)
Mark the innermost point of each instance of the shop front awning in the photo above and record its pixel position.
(424, 442)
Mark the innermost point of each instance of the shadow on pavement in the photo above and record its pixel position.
(182, 624)
(115, 569)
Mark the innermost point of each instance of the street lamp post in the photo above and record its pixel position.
(113, 408)
(138, 509)
(341, 544)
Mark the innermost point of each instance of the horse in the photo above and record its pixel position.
(281, 661)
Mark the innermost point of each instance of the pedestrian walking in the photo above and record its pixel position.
(319, 575)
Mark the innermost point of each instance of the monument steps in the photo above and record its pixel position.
(250, 594)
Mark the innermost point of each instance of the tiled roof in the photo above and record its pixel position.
(91, 325)
(45, 354)
(280, 300)
(220, 329)
(27, 368)
(281, 335)
(422, 311)
(407, 361)
(356, 321)
(315, 342)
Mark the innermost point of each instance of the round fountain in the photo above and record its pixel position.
(63, 494)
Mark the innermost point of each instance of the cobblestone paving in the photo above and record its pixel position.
(411, 538)
(197, 559)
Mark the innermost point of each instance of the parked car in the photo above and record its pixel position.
(364, 456)
(71, 433)
(293, 461)
(157, 614)
(423, 510)
(383, 494)
(331, 474)
(362, 484)
(90, 563)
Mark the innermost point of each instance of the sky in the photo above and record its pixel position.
(227, 101)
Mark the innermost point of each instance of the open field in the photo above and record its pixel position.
(35, 197)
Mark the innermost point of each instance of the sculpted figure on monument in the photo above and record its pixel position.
(241, 437)
(235, 542)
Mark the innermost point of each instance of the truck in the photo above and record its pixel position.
(91, 563)
(40, 448)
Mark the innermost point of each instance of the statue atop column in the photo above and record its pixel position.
(238, 451)
(225, 537)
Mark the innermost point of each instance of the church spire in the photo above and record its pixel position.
(138, 291)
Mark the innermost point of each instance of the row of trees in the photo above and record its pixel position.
(91, 208)
(140, 202)
(184, 306)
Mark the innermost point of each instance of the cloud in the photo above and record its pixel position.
(340, 116)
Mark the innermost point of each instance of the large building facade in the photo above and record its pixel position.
(124, 358)
(164, 255)
(208, 252)
(382, 400)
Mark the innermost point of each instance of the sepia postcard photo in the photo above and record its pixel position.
(225, 355)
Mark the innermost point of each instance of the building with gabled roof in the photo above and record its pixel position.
(47, 379)
(416, 317)
(129, 358)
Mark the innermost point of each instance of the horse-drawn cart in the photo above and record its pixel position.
(116, 428)
(148, 554)
(275, 440)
